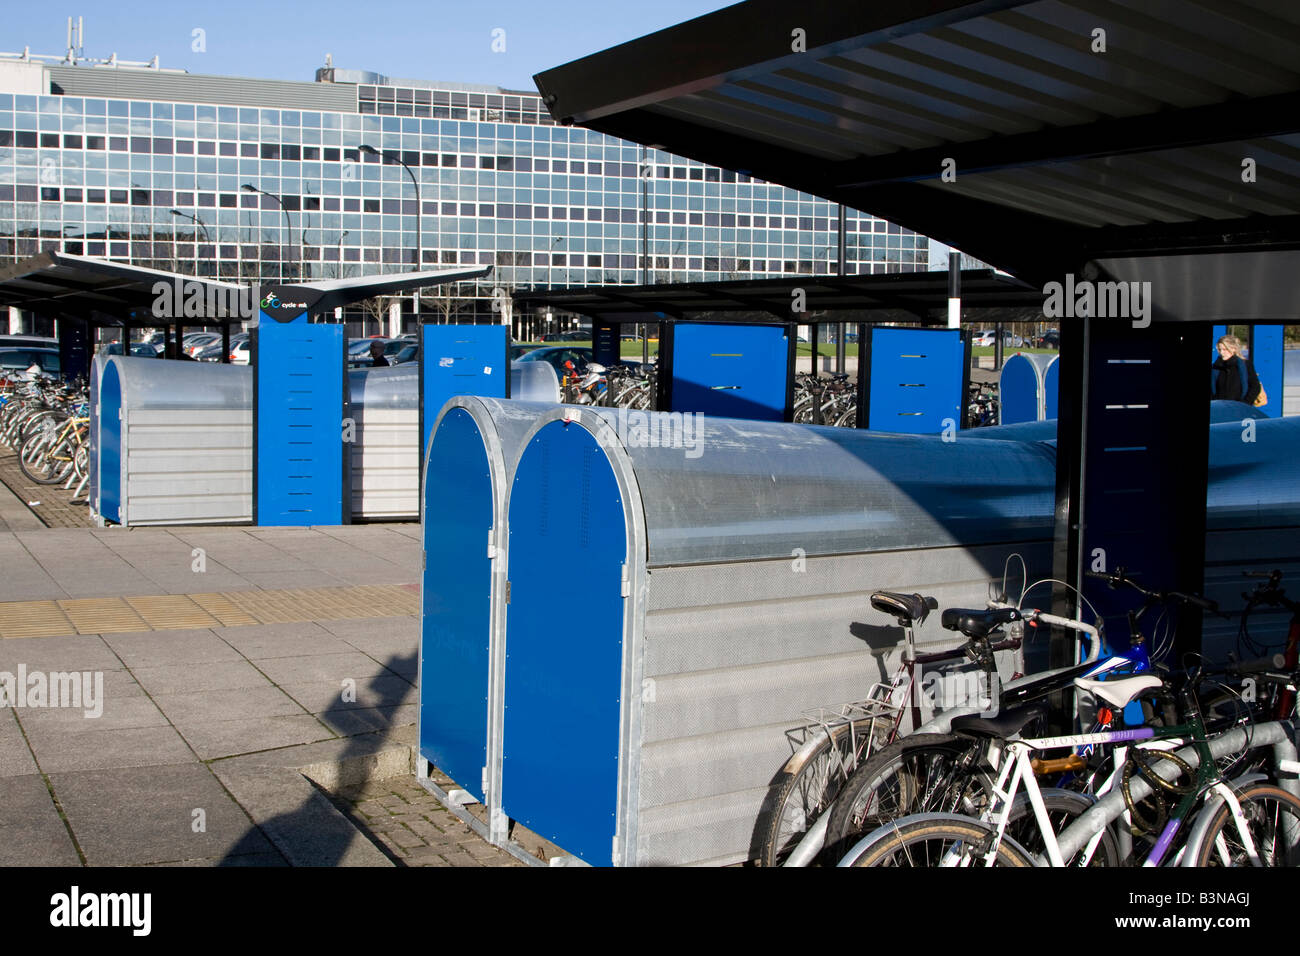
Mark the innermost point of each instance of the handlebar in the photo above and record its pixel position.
(1118, 578)
(1094, 645)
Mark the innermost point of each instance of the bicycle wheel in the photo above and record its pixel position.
(1063, 808)
(941, 840)
(806, 786)
(39, 466)
(1272, 818)
(918, 774)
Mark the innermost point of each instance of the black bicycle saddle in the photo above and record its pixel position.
(905, 607)
(977, 623)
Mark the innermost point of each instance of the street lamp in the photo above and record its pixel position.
(288, 224)
(389, 156)
(550, 256)
(338, 271)
(206, 238)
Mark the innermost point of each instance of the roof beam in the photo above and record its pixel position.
(1221, 123)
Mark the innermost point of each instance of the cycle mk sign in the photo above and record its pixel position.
(299, 466)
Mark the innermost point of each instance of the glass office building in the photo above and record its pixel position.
(259, 179)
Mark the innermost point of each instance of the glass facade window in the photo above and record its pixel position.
(498, 183)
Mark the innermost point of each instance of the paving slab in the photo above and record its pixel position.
(387, 690)
(228, 738)
(156, 648)
(125, 817)
(82, 652)
(213, 706)
(31, 831)
(104, 749)
(15, 756)
(323, 668)
(288, 639)
(216, 675)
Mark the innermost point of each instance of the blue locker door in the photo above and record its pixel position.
(1266, 355)
(110, 445)
(461, 360)
(1018, 391)
(1052, 387)
(299, 369)
(564, 643)
(457, 599)
(916, 380)
(735, 371)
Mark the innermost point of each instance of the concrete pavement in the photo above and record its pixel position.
(215, 745)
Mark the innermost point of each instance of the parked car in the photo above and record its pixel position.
(988, 337)
(15, 361)
(241, 353)
(557, 355)
(215, 350)
(28, 341)
(195, 342)
(518, 350)
(410, 352)
(138, 349)
(1051, 339)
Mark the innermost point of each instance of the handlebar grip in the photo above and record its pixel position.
(1205, 604)
(1275, 663)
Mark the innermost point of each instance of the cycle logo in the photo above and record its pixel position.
(286, 304)
(973, 691)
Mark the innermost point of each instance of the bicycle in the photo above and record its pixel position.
(836, 740)
(1265, 819)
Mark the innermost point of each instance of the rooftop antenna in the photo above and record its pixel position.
(69, 57)
(329, 61)
(81, 37)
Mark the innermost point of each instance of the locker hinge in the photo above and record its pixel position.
(627, 583)
(424, 560)
(483, 782)
(507, 592)
(492, 548)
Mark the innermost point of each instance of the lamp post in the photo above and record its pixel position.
(389, 156)
(288, 224)
(206, 238)
(338, 271)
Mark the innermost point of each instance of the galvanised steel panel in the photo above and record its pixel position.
(739, 371)
(454, 651)
(462, 360)
(188, 466)
(92, 461)
(1291, 382)
(299, 421)
(718, 489)
(915, 380)
(564, 670)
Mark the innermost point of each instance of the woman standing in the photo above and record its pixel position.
(1234, 376)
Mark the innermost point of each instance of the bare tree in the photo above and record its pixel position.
(377, 309)
(445, 304)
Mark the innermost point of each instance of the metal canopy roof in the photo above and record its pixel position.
(895, 297)
(1062, 154)
(62, 285)
(109, 293)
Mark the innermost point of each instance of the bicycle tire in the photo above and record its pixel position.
(1272, 815)
(1063, 808)
(928, 841)
(807, 784)
(917, 774)
(44, 473)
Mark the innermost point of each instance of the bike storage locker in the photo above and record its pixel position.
(467, 471)
(175, 442)
(740, 371)
(681, 589)
(913, 381)
(1022, 388)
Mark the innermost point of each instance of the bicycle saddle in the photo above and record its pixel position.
(977, 623)
(1003, 725)
(905, 607)
(1118, 693)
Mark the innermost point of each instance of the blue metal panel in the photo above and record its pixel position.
(299, 410)
(461, 360)
(1052, 387)
(915, 380)
(110, 445)
(456, 624)
(1219, 332)
(1266, 355)
(1018, 391)
(733, 371)
(564, 654)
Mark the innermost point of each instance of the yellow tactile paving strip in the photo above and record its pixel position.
(157, 612)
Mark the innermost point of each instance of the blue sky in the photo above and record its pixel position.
(418, 39)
